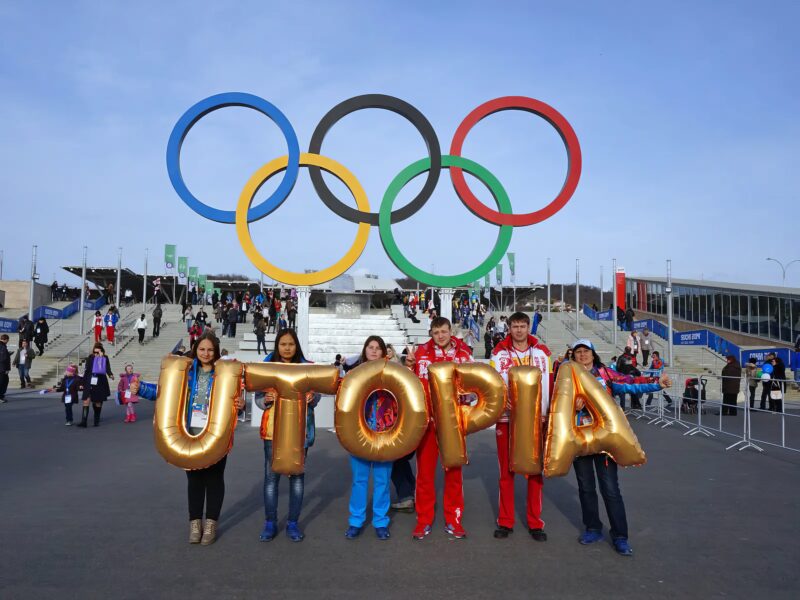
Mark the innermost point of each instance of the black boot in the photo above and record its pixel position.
(84, 417)
(97, 409)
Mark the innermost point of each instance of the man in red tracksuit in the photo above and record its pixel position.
(520, 348)
(441, 347)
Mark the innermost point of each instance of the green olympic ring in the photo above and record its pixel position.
(402, 263)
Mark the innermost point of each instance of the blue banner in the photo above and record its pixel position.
(94, 304)
(761, 353)
(596, 316)
(8, 326)
(690, 338)
(48, 312)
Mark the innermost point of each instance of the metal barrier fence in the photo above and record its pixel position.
(755, 420)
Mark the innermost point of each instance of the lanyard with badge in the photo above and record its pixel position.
(67, 395)
(198, 415)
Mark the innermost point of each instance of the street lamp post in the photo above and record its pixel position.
(668, 290)
(577, 294)
(548, 289)
(784, 267)
(601, 288)
(83, 288)
(119, 276)
(34, 277)
(614, 325)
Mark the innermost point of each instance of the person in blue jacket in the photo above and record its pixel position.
(583, 353)
(380, 414)
(287, 350)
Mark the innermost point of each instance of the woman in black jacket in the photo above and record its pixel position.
(95, 383)
(40, 332)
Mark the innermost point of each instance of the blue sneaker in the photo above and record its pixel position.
(353, 532)
(293, 531)
(269, 532)
(622, 547)
(590, 537)
(382, 533)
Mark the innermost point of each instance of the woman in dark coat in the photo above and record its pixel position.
(731, 385)
(95, 383)
(40, 332)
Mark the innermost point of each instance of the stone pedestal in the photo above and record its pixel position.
(348, 305)
(446, 301)
(303, 295)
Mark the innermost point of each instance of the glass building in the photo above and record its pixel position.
(769, 312)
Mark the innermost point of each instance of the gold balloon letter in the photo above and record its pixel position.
(454, 421)
(609, 431)
(412, 415)
(173, 441)
(525, 398)
(292, 382)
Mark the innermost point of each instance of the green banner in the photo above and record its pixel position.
(498, 274)
(193, 275)
(169, 256)
(203, 282)
(487, 281)
(183, 268)
(511, 263)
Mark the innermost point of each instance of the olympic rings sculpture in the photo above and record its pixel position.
(432, 165)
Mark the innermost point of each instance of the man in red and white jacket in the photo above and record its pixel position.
(520, 348)
(441, 347)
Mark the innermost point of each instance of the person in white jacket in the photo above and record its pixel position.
(141, 327)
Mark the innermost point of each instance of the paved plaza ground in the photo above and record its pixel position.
(97, 513)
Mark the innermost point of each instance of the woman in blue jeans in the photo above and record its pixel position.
(380, 414)
(603, 465)
(287, 350)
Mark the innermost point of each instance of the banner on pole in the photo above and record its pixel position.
(487, 283)
(183, 269)
(169, 256)
(193, 275)
(498, 274)
(511, 264)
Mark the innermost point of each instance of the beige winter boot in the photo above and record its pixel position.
(209, 532)
(195, 531)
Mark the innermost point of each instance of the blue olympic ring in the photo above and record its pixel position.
(197, 112)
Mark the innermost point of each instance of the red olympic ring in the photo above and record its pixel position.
(561, 125)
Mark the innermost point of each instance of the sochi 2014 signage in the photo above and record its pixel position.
(432, 165)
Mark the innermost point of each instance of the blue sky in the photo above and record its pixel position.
(687, 114)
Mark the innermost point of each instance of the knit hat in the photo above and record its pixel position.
(70, 370)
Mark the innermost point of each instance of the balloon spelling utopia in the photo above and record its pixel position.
(292, 383)
(531, 452)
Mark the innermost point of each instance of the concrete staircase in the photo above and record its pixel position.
(417, 333)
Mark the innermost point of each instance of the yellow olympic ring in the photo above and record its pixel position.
(290, 277)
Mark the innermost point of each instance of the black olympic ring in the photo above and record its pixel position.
(402, 108)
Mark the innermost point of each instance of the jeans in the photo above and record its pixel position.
(260, 343)
(141, 335)
(206, 486)
(606, 468)
(381, 472)
(752, 397)
(156, 326)
(68, 412)
(403, 478)
(24, 374)
(271, 481)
